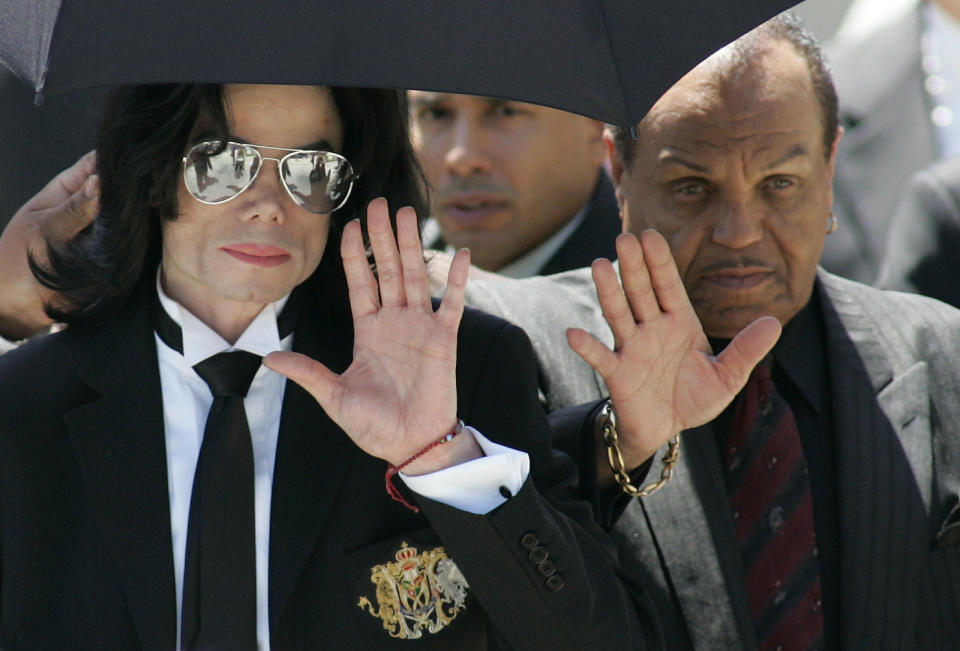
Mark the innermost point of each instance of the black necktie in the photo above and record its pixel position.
(220, 585)
(773, 516)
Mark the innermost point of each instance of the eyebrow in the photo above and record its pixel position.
(796, 151)
(424, 98)
(320, 145)
(676, 160)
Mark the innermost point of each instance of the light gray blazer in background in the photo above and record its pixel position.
(885, 112)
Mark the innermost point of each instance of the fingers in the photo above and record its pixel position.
(613, 303)
(361, 285)
(664, 276)
(74, 177)
(747, 349)
(451, 308)
(385, 254)
(636, 279)
(314, 377)
(438, 268)
(64, 184)
(415, 281)
(65, 221)
(592, 351)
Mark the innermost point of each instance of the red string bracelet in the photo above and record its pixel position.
(392, 470)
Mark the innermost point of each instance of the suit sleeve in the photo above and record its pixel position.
(542, 569)
(573, 430)
(923, 247)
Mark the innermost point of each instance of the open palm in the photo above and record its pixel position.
(661, 374)
(399, 393)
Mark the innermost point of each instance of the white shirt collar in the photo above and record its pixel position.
(200, 341)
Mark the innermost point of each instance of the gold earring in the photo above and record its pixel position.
(832, 223)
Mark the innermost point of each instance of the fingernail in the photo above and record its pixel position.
(92, 187)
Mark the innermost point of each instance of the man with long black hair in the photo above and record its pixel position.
(150, 499)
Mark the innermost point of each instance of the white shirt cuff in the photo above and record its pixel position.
(6, 345)
(478, 486)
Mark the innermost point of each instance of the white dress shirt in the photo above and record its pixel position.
(473, 486)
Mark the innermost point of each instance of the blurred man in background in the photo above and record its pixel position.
(521, 185)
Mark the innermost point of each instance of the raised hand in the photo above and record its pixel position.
(661, 374)
(58, 212)
(399, 394)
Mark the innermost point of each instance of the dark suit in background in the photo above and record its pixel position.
(594, 237)
(891, 365)
(85, 544)
(923, 251)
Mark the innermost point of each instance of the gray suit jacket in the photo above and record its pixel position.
(885, 112)
(894, 373)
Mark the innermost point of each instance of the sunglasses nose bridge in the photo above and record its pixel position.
(260, 166)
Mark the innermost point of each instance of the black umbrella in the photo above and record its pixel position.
(609, 59)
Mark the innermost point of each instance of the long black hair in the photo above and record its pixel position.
(144, 133)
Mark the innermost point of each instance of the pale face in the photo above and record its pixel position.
(734, 174)
(225, 262)
(505, 175)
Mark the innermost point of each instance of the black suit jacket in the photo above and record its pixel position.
(85, 543)
(596, 235)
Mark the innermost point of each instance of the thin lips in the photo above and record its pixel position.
(472, 201)
(739, 272)
(259, 250)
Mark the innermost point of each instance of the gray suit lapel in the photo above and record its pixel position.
(690, 520)
(546, 307)
(884, 471)
(119, 443)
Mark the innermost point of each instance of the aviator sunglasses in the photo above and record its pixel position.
(217, 172)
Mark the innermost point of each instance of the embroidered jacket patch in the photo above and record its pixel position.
(417, 592)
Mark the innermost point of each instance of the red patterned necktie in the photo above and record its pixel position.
(773, 516)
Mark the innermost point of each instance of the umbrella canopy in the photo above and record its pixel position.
(608, 59)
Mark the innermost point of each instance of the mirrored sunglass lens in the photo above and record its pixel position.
(319, 181)
(215, 177)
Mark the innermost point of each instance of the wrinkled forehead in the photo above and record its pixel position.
(722, 106)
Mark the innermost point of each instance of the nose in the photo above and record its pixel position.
(467, 153)
(739, 224)
(267, 193)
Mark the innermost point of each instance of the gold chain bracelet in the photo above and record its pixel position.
(607, 422)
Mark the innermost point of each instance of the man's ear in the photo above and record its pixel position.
(616, 164)
(833, 151)
(595, 142)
